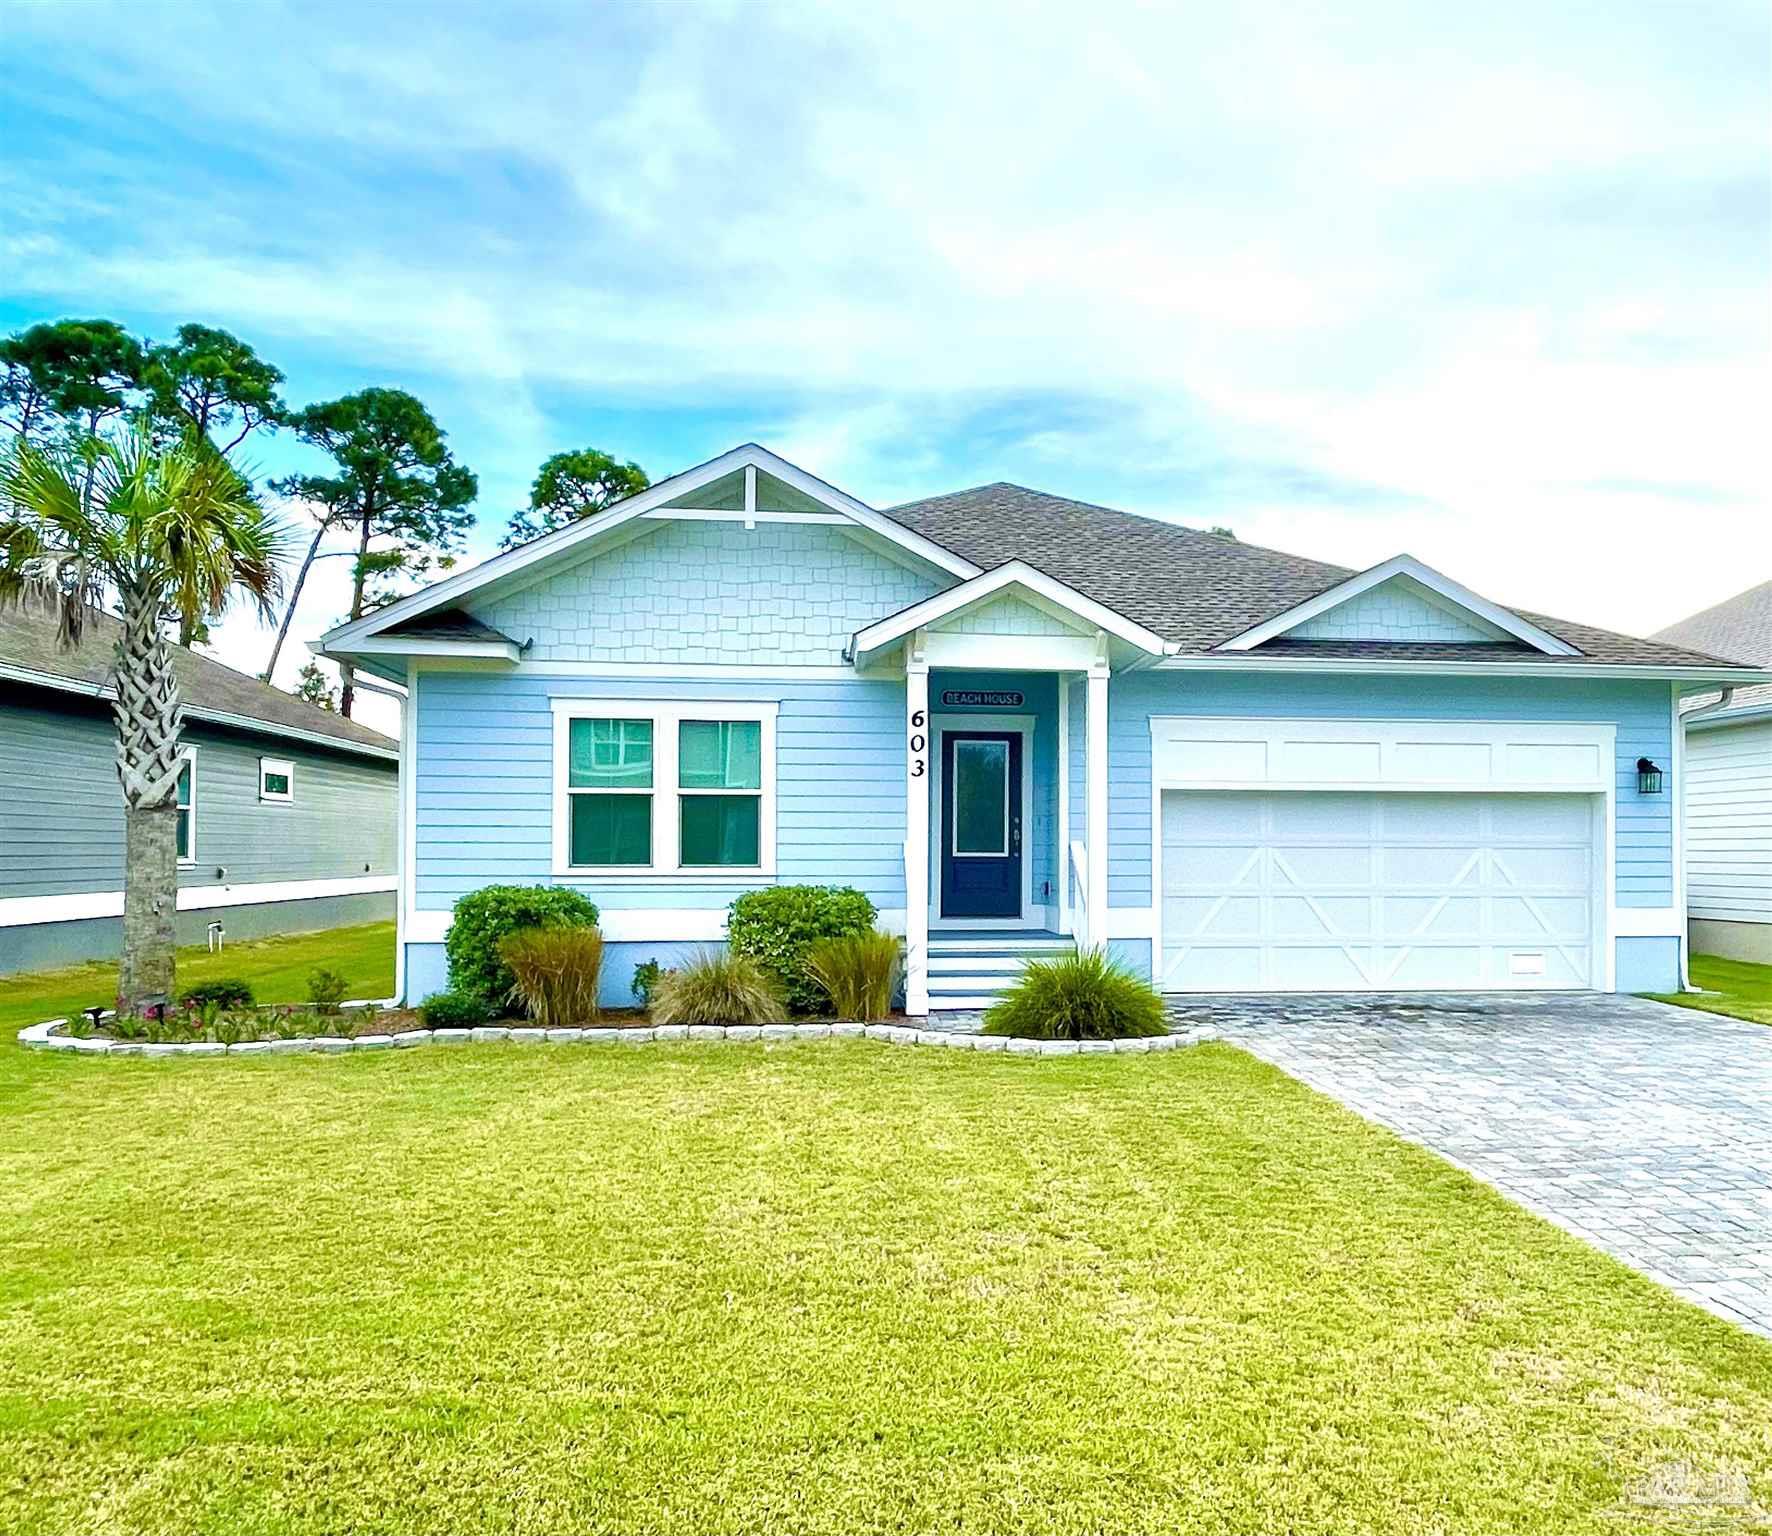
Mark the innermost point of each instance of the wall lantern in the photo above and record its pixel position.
(1648, 777)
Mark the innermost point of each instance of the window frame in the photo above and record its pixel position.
(284, 766)
(666, 715)
(187, 859)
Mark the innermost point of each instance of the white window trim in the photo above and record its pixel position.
(188, 859)
(270, 765)
(666, 715)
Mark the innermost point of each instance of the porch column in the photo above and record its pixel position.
(1096, 801)
(916, 828)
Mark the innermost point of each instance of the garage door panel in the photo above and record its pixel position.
(1333, 891)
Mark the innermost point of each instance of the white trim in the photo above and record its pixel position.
(1379, 667)
(1030, 916)
(1061, 891)
(1404, 566)
(277, 765)
(1608, 925)
(1649, 923)
(18, 911)
(689, 671)
(466, 650)
(105, 691)
(188, 859)
(1677, 789)
(748, 455)
(1015, 573)
(919, 733)
(406, 827)
(1096, 832)
(749, 519)
(1010, 653)
(633, 925)
(666, 715)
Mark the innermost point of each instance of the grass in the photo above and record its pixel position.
(277, 968)
(832, 1287)
(1738, 988)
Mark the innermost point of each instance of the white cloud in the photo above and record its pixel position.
(1488, 283)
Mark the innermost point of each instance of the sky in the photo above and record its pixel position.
(1488, 284)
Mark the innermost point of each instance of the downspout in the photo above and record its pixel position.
(1715, 707)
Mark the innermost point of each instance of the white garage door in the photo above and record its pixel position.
(1377, 892)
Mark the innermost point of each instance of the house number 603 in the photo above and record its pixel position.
(919, 743)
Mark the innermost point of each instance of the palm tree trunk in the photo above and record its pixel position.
(149, 718)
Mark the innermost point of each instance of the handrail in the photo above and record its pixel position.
(1080, 907)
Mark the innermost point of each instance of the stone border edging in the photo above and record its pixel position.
(42, 1037)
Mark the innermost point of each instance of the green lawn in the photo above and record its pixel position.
(833, 1287)
(277, 968)
(1735, 987)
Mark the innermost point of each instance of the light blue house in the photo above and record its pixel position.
(1017, 722)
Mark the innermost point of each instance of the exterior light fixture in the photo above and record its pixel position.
(1648, 777)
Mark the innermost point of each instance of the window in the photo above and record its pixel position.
(720, 792)
(609, 780)
(187, 809)
(663, 788)
(276, 779)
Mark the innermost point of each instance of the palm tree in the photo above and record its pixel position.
(170, 533)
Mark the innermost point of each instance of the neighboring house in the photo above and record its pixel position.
(1729, 785)
(286, 812)
(1013, 719)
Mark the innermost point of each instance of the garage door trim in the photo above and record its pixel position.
(1206, 753)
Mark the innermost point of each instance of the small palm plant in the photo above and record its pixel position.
(169, 533)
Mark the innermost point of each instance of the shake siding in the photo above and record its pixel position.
(1640, 710)
(484, 784)
(1729, 822)
(61, 814)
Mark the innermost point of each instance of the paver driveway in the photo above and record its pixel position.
(1644, 1129)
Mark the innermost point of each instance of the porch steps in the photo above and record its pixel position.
(972, 970)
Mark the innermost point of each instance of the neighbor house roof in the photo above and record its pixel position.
(1741, 629)
(1198, 589)
(212, 692)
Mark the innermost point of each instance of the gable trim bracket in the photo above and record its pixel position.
(1408, 566)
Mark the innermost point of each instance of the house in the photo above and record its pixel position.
(286, 812)
(1728, 795)
(1018, 721)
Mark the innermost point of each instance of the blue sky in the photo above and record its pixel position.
(1488, 284)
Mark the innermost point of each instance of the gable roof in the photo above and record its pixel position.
(212, 693)
(1740, 628)
(1198, 590)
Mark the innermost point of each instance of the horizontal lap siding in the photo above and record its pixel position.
(1641, 711)
(1729, 823)
(484, 786)
(61, 812)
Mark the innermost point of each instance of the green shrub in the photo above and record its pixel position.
(718, 987)
(556, 972)
(486, 917)
(1080, 997)
(228, 992)
(454, 1010)
(326, 989)
(774, 925)
(858, 972)
(646, 978)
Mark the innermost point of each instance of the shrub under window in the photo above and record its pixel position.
(775, 925)
(487, 916)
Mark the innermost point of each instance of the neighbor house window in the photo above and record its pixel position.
(663, 788)
(187, 810)
(276, 779)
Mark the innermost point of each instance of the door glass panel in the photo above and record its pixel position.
(981, 797)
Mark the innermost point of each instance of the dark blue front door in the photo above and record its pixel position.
(981, 824)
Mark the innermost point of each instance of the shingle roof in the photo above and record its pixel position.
(447, 624)
(209, 689)
(1195, 589)
(1740, 627)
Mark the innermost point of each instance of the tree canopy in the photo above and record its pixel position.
(213, 382)
(68, 373)
(570, 486)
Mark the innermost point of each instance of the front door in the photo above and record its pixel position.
(981, 824)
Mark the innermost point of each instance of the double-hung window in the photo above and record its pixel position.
(664, 788)
(187, 808)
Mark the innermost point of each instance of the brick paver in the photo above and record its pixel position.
(1645, 1129)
